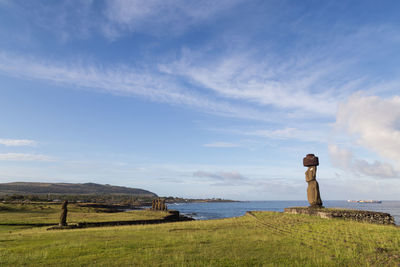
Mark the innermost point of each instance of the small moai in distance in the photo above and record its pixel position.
(313, 195)
(63, 217)
(163, 206)
(158, 204)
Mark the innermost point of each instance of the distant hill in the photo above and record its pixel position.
(24, 188)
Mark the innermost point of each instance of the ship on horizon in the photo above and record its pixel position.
(365, 201)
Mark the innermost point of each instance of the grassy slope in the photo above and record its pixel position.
(266, 239)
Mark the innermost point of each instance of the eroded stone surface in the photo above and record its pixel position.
(355, 215)
(63, 216)
(310, 160)
(313, 195)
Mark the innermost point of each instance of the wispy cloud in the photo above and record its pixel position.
(158, 16)
(25, 157)
(222, 145)
(243, 76)
(232, 83)
(226, 178)
(272, 186)
(122, 80)
(317, 135)
(117, 18)
(17, 142)
(63, 19)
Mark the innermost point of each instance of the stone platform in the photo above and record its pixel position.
(355, 215)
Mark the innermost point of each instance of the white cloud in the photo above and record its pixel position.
(25, 157)
(374, 122)
(344, 159)
(160, 16)
(341, 158)
(17, 142)
(221, 144)
(376, 169)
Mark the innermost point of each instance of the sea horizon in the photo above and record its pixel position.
(219, 210)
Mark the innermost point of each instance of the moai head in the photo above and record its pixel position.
(310, 160)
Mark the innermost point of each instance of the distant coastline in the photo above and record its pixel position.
(172, 200)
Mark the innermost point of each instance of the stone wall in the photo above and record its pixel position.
(355, 215)
(174, 216)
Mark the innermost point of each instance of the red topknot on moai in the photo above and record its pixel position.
(313, 196)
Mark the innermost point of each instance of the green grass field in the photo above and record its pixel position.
(264, 239)
(50, 213)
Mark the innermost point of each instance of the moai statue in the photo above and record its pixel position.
(63, 217)
(313, 196)
(163, 206)
(159, 204)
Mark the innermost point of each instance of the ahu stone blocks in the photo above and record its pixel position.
(354, 215)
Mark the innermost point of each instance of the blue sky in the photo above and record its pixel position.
(203, 98)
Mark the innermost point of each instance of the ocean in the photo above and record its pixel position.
(218, 210)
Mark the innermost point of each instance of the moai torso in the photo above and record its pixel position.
(63, 216)
(311, 173)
